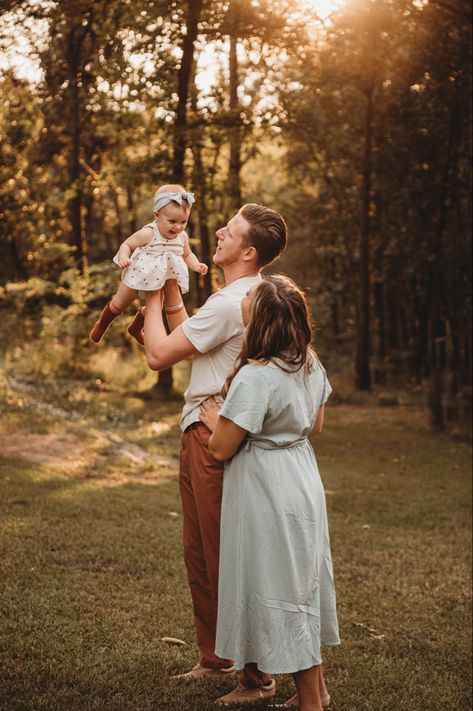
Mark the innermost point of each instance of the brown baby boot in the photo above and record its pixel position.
(105, 319)
(135, 328)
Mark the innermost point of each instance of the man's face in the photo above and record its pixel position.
(231, 241)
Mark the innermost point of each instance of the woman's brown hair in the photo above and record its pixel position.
(280, 327)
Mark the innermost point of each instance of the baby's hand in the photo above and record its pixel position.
(202, 268)
(124, 262)
(124, 256)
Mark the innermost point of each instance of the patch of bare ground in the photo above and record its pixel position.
(77, 453)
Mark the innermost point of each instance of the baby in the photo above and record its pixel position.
(156, 253)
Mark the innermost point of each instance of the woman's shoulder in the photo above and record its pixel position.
(254, 373)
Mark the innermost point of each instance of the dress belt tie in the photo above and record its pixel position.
(265, 444)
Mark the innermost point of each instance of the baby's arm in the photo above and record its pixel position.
(137, 239)
(191, 260)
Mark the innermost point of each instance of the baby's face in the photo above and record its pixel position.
(172, 219)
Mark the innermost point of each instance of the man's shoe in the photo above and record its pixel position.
(199, 672)
(243, 695)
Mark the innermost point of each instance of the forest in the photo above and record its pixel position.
(352, 118)
(355, 125)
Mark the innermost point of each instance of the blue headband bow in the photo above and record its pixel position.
(163, 199)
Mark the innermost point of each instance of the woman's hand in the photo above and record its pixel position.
(209, 410)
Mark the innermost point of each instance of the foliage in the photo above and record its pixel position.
(357, 129)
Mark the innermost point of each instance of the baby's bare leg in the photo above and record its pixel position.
(175, 310)
(123, 298)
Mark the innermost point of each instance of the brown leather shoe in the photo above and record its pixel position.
(105, 319)
(199, 672)
(135, 328)
(242, 695)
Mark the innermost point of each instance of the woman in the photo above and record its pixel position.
(276, 592)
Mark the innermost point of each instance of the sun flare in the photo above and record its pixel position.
(324, 8)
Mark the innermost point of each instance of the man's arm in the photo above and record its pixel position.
(162, 350)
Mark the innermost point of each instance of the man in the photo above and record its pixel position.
(253, 238)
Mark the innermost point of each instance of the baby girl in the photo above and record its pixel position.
(156, 253)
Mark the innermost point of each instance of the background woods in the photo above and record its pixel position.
(356, 128)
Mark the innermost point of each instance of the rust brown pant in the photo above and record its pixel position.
(200, 484)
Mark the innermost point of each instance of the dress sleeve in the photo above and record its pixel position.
(247, 401)
(215, 322)
(326, 388)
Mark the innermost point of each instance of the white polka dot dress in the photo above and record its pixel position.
(156, 262)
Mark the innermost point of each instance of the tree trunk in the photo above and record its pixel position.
(131, 212)
(199, 182)
(454, 360)
(234, 183)
(380, 369)
(194, 8)
(335, 313)
(438, 362)
(77, 237)
(363, 335)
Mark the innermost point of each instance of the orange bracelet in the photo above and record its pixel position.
(174, 309)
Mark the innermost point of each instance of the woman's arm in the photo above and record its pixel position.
(227, 436)
(319, 423)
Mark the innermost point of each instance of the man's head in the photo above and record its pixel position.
(267, 232)
(256, 235)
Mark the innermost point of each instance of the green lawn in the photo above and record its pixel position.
(92, 574)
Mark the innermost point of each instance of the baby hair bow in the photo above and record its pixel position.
(163, 199)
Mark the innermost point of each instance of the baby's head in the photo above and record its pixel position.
(172, 206)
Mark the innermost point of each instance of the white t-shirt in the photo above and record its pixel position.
(216, 331)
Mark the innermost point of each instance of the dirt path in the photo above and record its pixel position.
(77, 452)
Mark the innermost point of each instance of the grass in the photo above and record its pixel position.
(92, 574)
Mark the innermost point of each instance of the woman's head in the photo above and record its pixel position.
(278, 322)
(172, 206)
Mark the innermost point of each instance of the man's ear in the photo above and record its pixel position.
(250, 255)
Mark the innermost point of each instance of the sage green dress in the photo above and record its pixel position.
(276, 602)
